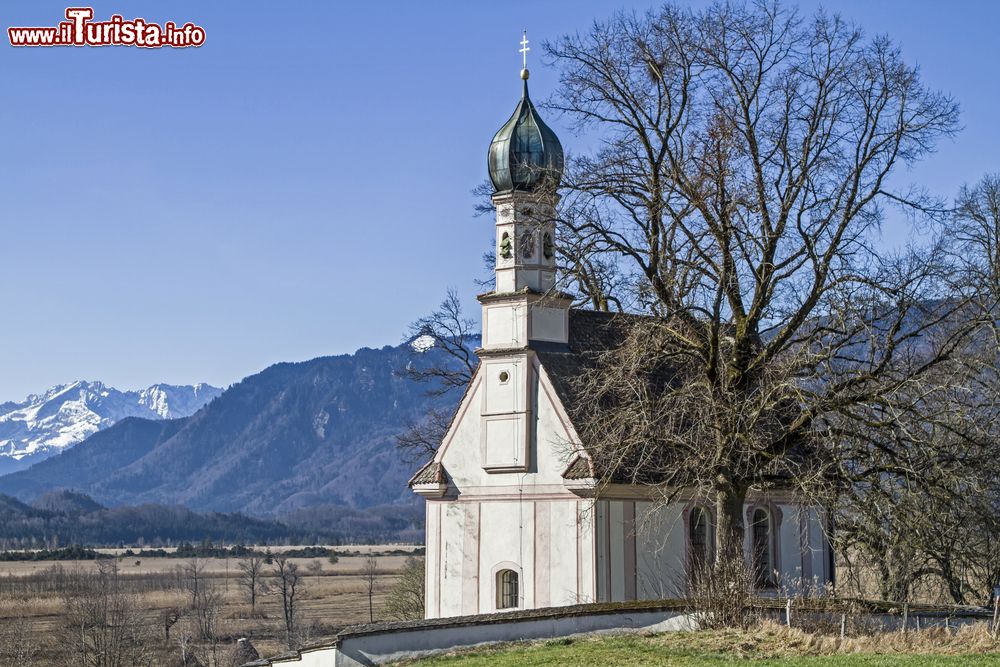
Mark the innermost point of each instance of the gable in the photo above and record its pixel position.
(461, 461)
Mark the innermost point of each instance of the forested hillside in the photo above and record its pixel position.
(316, 434)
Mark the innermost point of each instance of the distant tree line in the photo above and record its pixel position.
(74, 518)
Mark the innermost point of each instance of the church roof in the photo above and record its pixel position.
(431, 473)
(591, 334)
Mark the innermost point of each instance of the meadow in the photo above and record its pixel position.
(34, 613)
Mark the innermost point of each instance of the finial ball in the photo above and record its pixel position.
(524, 74)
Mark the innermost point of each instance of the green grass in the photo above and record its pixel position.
(701, 649)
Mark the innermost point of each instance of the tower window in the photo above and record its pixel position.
(507, 593)
(762, 547)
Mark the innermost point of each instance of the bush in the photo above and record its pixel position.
(405, 600)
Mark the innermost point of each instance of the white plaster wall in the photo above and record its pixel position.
(380, 648)
(660, 551)
(551, 324)
(543, 540)
(432, 563)
(617, 550)
(452, 542)
(505, 324)
(568, 542)
(320, 658)
(550, 447)
(789, 546)
(602, 551)
(818, 549)
(507, 537)
(492, 519)
(587, 552)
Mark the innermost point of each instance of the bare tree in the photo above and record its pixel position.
(742, 171)
(290, 587)
(442, 358)
(421, 437)
(193, 579)
(405, 600)
(974, 235)
(446, 330)
(206, 610)
(18, 645)
(944, 535)
(104, 622)
(369, 574)
(251, 569)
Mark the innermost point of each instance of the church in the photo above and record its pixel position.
(516, 515)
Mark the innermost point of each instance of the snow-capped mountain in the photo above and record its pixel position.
(45, 424)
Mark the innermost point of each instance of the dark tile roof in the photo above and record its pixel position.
(579, 468)
(591, 335)
(431, 473)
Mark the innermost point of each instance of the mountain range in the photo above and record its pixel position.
(294, 438)
(45, 424)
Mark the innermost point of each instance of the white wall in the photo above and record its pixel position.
(526, 520)
(659, 539)
(566, 549)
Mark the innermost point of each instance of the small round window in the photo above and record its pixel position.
(504, 376)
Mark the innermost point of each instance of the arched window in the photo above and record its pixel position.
(507, 589)
(762, 546)
(698, 534)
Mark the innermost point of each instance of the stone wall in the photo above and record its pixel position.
(380, 643)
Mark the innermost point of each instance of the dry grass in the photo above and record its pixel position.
(775, 640)
(334, 596)
(768, 644)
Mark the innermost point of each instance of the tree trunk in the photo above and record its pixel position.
(729, 529)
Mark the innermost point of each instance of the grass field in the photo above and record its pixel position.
(333, 595)
(771, 646)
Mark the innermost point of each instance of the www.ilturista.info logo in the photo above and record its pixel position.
(80, 30)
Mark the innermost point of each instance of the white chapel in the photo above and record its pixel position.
(517, 517)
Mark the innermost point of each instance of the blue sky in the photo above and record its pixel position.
(301, 184)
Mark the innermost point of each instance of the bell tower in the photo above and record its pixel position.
(525, 165)
(525, 309)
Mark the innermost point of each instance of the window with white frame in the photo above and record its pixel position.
(507, 590)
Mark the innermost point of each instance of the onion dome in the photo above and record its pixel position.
(525, 153)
